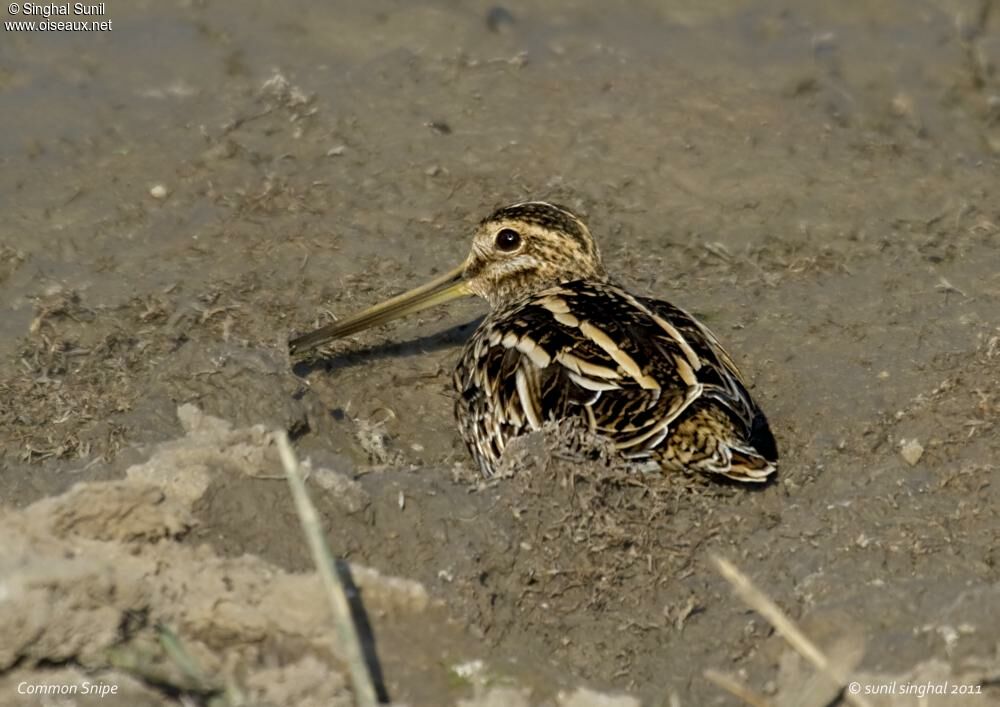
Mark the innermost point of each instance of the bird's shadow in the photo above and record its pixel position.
(333, 361)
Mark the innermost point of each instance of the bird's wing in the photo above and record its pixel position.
(717, 372)
(723, 383)
(629, 367)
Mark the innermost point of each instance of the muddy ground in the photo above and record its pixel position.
(817, 181)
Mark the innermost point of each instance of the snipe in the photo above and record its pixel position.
(562, 340)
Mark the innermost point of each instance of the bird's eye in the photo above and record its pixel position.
(508, 239)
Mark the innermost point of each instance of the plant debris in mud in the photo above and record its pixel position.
(593, 521)
(73, 377)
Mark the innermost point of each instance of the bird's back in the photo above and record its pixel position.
(638, 371)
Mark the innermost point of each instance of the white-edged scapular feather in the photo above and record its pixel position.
(618, 356)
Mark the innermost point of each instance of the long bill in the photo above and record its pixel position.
(449, 286)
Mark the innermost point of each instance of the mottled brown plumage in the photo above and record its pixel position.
(563, 341)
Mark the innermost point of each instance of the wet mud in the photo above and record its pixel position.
(817, 182)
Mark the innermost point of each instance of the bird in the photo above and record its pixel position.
(564, 341)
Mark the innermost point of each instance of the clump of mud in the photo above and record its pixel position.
(106, 599)
(98, 582)
(596, 523)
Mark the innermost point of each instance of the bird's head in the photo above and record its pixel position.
(516, 250)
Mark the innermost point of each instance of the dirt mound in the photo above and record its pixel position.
(105, 600)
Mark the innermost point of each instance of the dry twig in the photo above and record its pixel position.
(362, 680)
(735, 688)
(760, 603)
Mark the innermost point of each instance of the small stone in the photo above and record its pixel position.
(336, 151)
(224, 150)
(469, 670)
(902, 105)
(159, 192)
(911, 451)
(883, 375)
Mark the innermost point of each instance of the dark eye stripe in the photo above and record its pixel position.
(507, 239)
